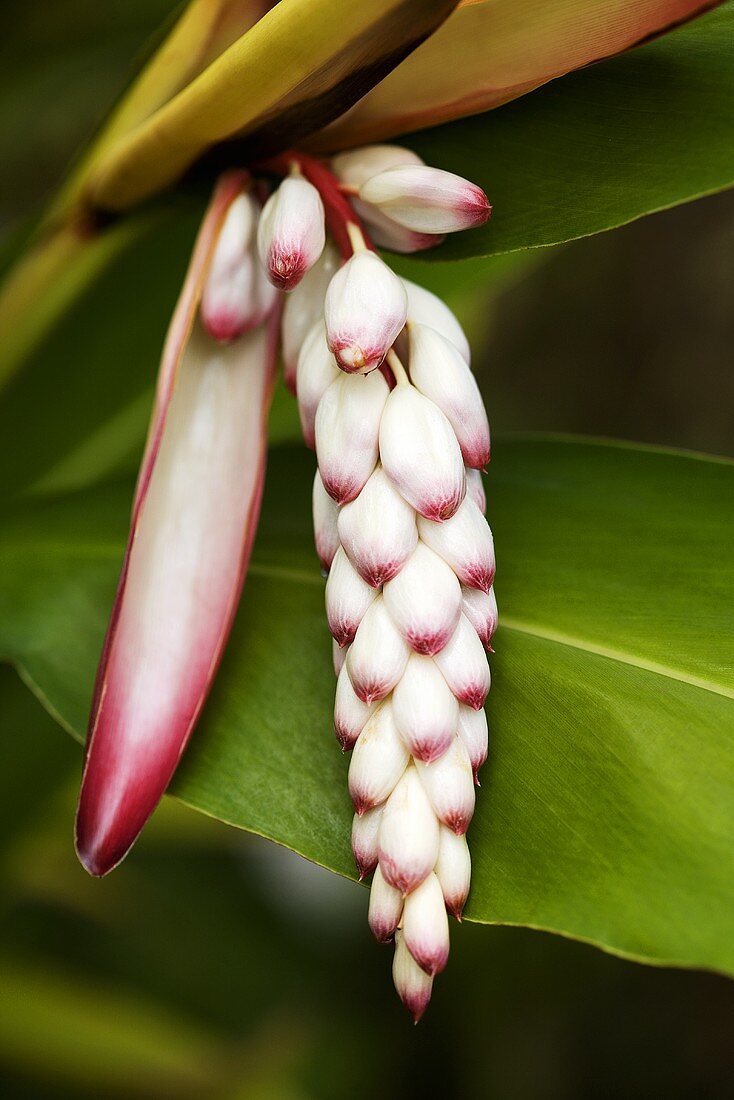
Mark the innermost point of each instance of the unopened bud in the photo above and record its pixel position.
(347, 599)
(408, 838)
(412, 983)
(438, 370)
(303, 306)
(474, 734)
(424, 600)
(378, 655)
(232, 300)
(378, 530)
(426, 927)
(364, 840)
(291, 233)
(465, 542)
(379, 759)
(347, 431)
(453, 870)
(427, 200)
(356, 166)
(420, 453)
(464, 665)
(365, 310)
(315, 372)
(350, 713)
(426, 712)
(325, 516)
(449, 784)
(480, 609)
(386, 906)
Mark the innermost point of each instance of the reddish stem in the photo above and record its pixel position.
(338, 209)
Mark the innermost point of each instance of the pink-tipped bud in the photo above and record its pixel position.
(465, 542)
(412, 983)
(480, 609)
(315, 372)
(424, 600)
(379, 759)
(356, 166)
(230, 303)
(386, 907)
(453, 870)
(347, 599)
(426, 308)
(474, 735)
(378, 655)
(350, 713)
(426, 926)
(427, 200)
(325, 516)
(338, 656)
(421, 455)
(364, 840)
(291, 233)
(426, 712)
(365, 310)
(475, 489)
(438, 370)
(378, 530)
(464, 665)
(347, 432)
(303, 307)
(449, 784)
(408, 837)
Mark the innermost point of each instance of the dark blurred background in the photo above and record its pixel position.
(213, 964)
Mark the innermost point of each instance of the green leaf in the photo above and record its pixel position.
(598, 148)
(607, 808)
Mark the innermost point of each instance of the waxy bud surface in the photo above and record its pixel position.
(427, 200)
(365, 310)
(291, 233)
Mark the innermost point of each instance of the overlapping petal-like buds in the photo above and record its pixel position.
(291, 233)
(398, 516)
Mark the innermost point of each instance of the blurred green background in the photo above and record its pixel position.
(212, 964)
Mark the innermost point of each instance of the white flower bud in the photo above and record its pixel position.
(426, 308)
(347, 599)
(425, 710)
(338, 657)
(378, 530)
(464, 665)
(475, 489)
(475, 736)
(427, 200)
(453, 870)
(426, 926)
(424, 600)
(480, 609)
(412, 983)
(303, 306)
(408, 837)
(230, 305)
(420, 453)
(356, 166)
(378, 655)
(347, 432)
(438, 370)
(350, 713)
(386, 906)
(379, 759)
(364, 840)
(386, 233)
(465, 542)
(325, 516)
(449, 784)
(291, 232)
(365, 310)
(315, 372)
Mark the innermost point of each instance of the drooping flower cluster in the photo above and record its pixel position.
(387, 398)
(380, 367)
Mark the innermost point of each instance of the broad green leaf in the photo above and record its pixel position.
(607, 809)
(601, 147)
(491, 51)
(294, 71)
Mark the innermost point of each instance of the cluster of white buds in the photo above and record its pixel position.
(387, 398)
